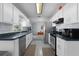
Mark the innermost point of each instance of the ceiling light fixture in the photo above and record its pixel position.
(39, 8)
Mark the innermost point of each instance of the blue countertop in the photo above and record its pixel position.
(13, 35)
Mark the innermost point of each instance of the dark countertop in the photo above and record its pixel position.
(59, 34)
(4, 53)
(54, 35)
(67, 38)
(13, 35)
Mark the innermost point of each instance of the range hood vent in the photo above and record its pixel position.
(59, 21)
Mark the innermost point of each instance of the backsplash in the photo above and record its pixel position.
(4, 27)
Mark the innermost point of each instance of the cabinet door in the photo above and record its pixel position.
(70, 13)
(78, 12)
(60, 13)
(0, 12)
(30, 38)
(16, 16)
(60, 46)
(27, 39)
(22, 45)
(55, 17)
(7, 13)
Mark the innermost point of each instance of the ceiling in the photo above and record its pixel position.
(29, 9)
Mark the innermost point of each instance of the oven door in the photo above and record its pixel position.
(52, 41)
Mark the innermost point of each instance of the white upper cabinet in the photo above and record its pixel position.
(60, 14)
(78, 11)
(11, 15)
(16, 16)
(0, 12)
(7, 13)
(19, 17)
(70, 13)
(54, 18)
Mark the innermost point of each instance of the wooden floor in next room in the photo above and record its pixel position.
(39, 48)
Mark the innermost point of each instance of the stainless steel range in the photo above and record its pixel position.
(53, 38)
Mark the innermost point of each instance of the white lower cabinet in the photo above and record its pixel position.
(12, 46)
(67, 48)
(15, 47)
(60, 46)
(28, 39)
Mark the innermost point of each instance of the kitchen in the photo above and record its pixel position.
(39, 29)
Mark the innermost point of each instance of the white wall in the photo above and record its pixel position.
(37, 27)
(37, 22)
